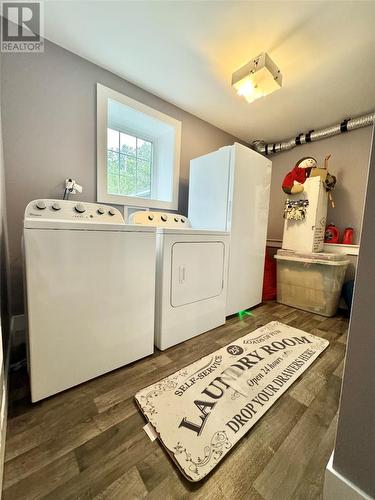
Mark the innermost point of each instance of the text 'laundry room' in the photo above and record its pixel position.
(187, 201)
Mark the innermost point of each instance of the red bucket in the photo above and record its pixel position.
(269, 279)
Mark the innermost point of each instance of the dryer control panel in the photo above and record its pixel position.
(68, 210)
(160, 219)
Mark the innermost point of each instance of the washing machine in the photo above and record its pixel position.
(191, 277)
(89, 290)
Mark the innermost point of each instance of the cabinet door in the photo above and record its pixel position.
(248, 227)
(197, 271)
(209, 190)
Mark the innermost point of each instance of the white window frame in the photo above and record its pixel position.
(103, 95)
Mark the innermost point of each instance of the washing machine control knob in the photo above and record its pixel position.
(112, 211)
(56, 206)
(164, 218)
(101, 211)
(80, 208)
(41, 205)
(150, 217)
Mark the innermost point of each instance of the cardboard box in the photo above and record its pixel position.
(308, 235)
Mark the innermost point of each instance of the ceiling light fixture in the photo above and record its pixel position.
(258, 78)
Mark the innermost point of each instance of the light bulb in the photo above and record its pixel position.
(246, 89)
(257, 94)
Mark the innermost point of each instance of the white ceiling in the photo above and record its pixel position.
(185, 52)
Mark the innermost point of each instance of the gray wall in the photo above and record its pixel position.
(49, 124)
(4, 254)
(4, 306)
(349, 162)
(354, 455)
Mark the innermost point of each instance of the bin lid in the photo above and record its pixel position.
(313, 257)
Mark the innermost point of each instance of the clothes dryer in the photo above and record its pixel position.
(191, 277)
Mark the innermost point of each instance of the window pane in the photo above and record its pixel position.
(112, 162)
(128, 144)
(144, 149)
(127, 165)
(113, 184)
(127, 185)
(144, 179)
(113, 139)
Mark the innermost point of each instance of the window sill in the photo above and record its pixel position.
(132, 201)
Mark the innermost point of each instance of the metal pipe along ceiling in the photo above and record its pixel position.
(314, 135)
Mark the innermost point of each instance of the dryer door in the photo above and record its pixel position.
(197, 271)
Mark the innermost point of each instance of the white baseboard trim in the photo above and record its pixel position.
(17, 323)
(4, 411)
(16, 336)
(337, 487)
(274, 243)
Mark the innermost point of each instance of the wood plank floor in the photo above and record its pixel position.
(88, 442)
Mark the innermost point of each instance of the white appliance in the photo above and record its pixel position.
(229, 190)
(191, 277)
(90, 292)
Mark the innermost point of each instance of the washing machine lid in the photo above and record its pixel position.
(76, 215)
(84, 225)
(171, 223)
(191, 231)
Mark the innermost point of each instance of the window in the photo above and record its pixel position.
(129, 165)
(138, 153)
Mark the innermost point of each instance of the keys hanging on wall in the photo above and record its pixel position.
(295, 209)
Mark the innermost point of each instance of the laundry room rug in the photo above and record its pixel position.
(200, 412)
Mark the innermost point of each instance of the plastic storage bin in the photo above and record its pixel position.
(310, 281)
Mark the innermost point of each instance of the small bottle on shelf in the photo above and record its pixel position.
(332, 234)
(347, 238)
